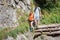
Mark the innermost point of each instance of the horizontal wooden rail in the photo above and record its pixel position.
(52, 29)
(49, 26)
(48, 30)
(47, 33)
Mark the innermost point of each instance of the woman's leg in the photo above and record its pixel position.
(37, 23)
(35, 27)
(31, 26)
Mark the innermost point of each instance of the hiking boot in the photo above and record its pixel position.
(31, 29)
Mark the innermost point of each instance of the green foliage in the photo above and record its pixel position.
(51, 18)
(13, 33)
(3, 33)
(22, 19)
(51, 14)
(48, 4)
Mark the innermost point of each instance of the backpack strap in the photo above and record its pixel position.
(35, 9)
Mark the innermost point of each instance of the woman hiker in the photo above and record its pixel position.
(31, 20)
(37, 15)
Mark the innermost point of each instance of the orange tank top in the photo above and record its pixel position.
(31, 16)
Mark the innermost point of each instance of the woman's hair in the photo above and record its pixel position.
(31, 12)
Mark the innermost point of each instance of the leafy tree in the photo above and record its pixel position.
(47, 3)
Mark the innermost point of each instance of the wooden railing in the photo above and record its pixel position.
(52, 29)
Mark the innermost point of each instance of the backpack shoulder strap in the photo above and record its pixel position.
(35, 9)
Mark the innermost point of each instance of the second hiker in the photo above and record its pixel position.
(37, 13)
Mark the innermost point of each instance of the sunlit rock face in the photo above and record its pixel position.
(8, 13)
(7, 17)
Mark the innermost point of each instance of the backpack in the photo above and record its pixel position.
(36, 8)
(31, 16)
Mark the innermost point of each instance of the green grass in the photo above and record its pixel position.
(3, 33)
(51, 17)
